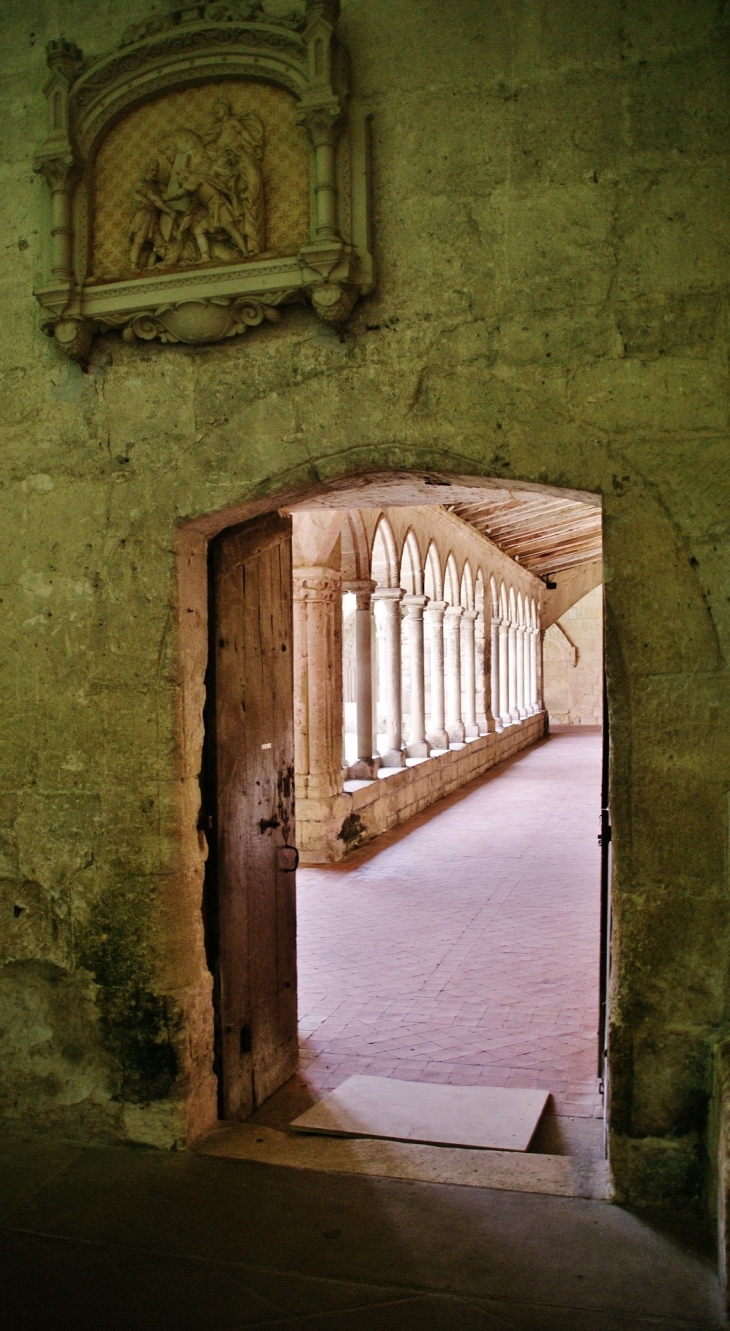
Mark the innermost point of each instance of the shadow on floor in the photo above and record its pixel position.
(122, 1240)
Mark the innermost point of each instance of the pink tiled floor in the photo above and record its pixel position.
(464, 949)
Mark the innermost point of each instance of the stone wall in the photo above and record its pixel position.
(376, 806)
(573, 664)
(550, 219)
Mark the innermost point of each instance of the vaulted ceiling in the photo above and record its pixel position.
(543, 532)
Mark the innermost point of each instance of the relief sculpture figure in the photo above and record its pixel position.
(201, 198)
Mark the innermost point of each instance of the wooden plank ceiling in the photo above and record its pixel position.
(542, 532)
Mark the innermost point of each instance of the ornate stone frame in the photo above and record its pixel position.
(202, 43)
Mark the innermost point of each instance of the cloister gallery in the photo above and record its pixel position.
(422, 654)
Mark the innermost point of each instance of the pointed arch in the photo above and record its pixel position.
(479, 592)
(503, 607)
(411, 572)
(354, 547)
(494, 595)
(384, 560)
(521, 617)
(451, 581)
(433, 578)
(512, 608)
(466, 591)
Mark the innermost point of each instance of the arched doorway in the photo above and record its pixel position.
(250, 921)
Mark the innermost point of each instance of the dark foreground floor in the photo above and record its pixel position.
(112, 1238)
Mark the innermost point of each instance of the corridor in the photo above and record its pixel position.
(465, 948)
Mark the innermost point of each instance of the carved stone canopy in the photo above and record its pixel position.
(202, 176)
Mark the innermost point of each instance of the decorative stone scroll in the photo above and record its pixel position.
(202, 176)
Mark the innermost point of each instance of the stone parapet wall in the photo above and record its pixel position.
(376, 806)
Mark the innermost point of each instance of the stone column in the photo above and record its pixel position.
(514, 713)
(520, 671)
(495, 673)
(367, 761)
(452, 674)
(437, 737)
(321, 802)
(318, 682)
(504, 673)
(534, 635)
(481, 652)
(391, 598)
(417, 746)
(468, 651)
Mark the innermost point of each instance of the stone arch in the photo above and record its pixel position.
(494, 594)
(451, 581)
(503, 604)
(433, 577)
(355, 550)
(384, 561)
(466, 591)
(479, 592)
(511, 606)
(411, 570)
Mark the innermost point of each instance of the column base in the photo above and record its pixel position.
(514, 717)
(438, 739)
(393, 758)
(365, 769)
(421, 749)
(506, 720)
(318, 823)
(471, 732)
(456, 734)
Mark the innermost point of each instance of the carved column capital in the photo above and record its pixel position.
(321, 121)
(388, 594)
(316, 584)
(58, 168)
(363, 589)
(415, 604)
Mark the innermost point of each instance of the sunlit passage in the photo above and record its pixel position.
(465, 948)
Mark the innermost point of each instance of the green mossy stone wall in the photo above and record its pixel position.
(551, 232)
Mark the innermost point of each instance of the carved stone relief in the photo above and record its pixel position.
(218, 173)
(203, 176)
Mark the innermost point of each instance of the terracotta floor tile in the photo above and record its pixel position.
(466, 949)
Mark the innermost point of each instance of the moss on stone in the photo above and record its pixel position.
(137, 1023)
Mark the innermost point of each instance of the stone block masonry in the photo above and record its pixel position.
(376, 806)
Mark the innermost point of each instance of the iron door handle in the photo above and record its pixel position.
(287, 859)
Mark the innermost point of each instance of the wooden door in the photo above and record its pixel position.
(254, 770)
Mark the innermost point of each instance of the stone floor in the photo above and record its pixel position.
(117, 1239)
(95, 1239)
(464, 948)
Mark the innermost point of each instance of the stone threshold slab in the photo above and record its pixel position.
(491, 1117)
(507, 1171)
